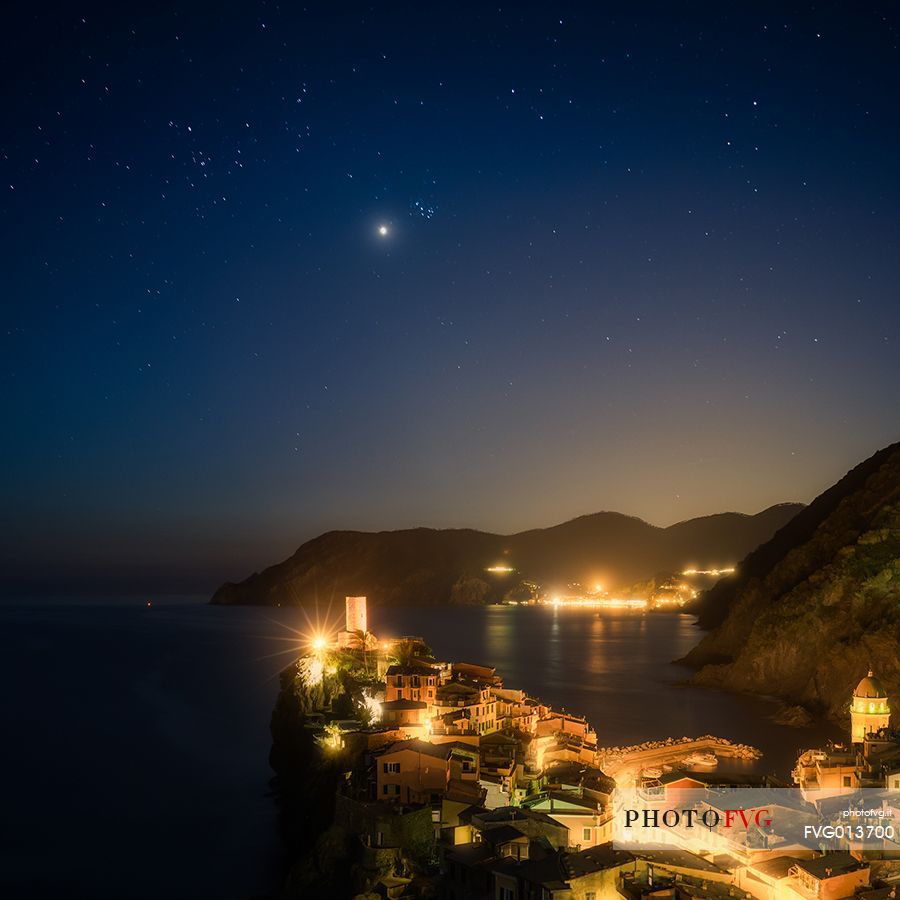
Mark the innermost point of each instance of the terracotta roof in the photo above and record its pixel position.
(456, 687)
(404, 704)
(438, 751)
(474, 667)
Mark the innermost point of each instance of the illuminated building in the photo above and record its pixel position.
(869, 709)
(515, 710)
(355, 622)
(410, 695)
(415, 682)
(866, 761)
(417, 771)
(410, 717)
(464, 709)
(587, 819)
(355, 608)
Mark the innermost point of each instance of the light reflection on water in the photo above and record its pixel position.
(158, 718)
(615, 667)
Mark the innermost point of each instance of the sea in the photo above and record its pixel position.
(136, 737)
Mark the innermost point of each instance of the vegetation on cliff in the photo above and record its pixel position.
(312, 769)
(305, 778)
(816, 606)
(424, 565)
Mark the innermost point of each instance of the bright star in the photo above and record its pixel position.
(383, 230)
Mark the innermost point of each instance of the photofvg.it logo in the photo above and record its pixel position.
(695, 817)
(727, 820)
(711, 818)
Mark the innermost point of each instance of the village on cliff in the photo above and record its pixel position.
(449, 771)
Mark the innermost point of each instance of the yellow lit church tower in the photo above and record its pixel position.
(869, 710)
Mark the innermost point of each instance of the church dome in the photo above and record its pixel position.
(870, 688)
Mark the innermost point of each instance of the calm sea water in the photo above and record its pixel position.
(614, 667)
(135, 741)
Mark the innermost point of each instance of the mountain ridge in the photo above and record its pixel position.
(426, 565)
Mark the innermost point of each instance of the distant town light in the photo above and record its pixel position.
(595, 602)
(500, 570)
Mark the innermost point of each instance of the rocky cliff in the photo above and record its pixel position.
(814, 607)
(424, 565)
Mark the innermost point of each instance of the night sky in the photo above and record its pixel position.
(643, 260)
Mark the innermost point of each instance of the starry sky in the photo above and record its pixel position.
(271, 270)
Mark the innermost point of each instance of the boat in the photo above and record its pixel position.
(702, 760)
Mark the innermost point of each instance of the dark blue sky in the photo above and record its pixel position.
(640, 258)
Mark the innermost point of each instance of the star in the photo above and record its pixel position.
(383, 230)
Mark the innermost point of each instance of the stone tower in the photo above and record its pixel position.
(356, 614)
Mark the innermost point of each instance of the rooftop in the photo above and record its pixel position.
(426, 748)
(475, 668)
(595, 859)
(870, 688)
(669, 854)
(777, 867)
(471, 854)
(456, 687)
(404, 704)
(502, 834)
(831, 865)
(577, 773)
(561, 801)
(511, 814)
(717, 779)
(548, 872)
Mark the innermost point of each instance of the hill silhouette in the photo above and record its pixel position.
(423, 565)
(818, 604)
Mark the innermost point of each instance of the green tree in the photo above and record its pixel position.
(364, 641)
(404, 652)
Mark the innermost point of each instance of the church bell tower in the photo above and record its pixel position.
(869, 709)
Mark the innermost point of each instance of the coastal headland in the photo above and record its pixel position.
(379, 730)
